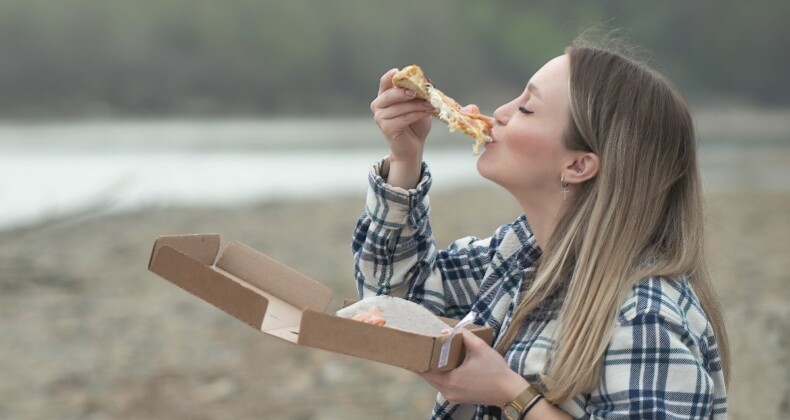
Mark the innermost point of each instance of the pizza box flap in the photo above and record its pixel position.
(281, 302)
(244, 283)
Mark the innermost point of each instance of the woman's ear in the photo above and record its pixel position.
(583, 168)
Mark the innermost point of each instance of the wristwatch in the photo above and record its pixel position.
(515, 410)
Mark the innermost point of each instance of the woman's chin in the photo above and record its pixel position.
(484, 168)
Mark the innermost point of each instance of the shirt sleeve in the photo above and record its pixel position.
(650, 372)
(395, 252)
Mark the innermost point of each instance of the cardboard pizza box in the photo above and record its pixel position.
(283, 303)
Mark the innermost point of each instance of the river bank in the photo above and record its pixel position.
(88, 332)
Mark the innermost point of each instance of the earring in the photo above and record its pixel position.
(564, 188)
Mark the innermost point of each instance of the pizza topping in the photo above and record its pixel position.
(372, 316)
(447, 109)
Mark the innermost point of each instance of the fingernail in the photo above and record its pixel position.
(409, 93)
(428, 104)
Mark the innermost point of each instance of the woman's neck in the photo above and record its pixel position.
(542, 216)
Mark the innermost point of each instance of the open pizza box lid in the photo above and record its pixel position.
(281, 302)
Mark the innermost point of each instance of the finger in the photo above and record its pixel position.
(386, 80)
(437, 380)
(408, 119)
(431, 379)
(472, 342)
(427, 376)
(394, 96)
(401, 108)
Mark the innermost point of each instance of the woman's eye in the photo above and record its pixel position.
(524, 110)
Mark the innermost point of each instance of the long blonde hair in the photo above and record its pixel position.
(641, 216)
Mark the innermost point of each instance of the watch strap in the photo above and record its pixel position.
(531, 404)
(524, 401)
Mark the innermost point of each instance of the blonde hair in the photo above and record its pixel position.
(640, 217)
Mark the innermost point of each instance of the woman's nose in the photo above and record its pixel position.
(501, 115)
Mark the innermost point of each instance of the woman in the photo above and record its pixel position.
(598, 294)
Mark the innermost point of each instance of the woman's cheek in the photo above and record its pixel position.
(527, 145)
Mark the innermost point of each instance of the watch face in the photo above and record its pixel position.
(511, 413)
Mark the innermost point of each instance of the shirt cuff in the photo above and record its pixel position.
(393, 206)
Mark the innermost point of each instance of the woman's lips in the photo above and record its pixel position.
(492, 137)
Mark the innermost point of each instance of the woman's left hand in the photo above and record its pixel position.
(483, 377)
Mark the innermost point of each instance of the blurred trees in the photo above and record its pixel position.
(196, 57)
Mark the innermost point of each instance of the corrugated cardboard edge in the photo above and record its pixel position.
(203, 247)
(189, 267)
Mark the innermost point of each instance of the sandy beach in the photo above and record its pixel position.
(88, 332)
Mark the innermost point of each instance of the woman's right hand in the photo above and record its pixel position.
(403, 119)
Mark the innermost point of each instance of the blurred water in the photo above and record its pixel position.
(50, 170)
(56, 170)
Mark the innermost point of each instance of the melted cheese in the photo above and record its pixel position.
(446, 112)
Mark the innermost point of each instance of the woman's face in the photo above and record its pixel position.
(528, 152)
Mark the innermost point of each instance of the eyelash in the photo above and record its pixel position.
(524, 110)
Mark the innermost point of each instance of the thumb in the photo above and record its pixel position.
(472, 342)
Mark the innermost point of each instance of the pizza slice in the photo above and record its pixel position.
(475, 125)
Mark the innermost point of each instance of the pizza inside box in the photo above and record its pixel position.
(283, 303)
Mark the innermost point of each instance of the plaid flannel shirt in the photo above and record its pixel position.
(662, 360)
